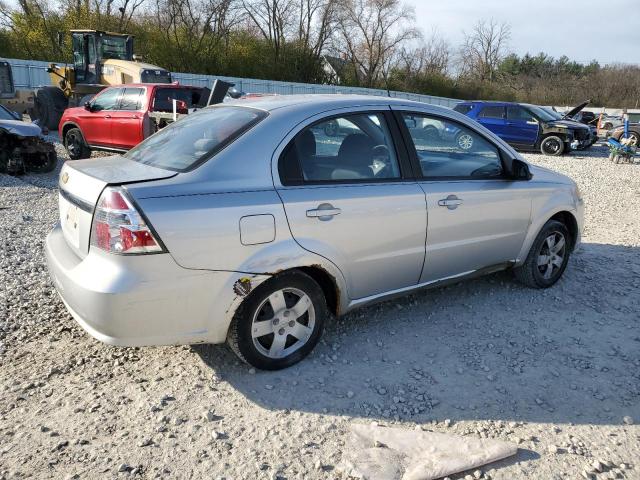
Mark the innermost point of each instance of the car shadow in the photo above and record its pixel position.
(486, 349)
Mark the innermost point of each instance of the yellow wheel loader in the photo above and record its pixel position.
(100, 59)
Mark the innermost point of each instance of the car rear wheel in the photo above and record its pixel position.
(548, 257)
(552, 145)
(75, 144)
(280, 322)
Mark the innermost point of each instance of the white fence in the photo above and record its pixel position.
(33, 74)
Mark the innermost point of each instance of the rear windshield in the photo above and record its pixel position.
(192, 140)
(193, 97)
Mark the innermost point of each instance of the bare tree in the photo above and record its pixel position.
(431, 56)
(273, 18)
(484, 48)
(316, 21)
(370, 34)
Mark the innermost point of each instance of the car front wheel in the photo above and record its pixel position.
(280, 322)
(552, 145)
(548, 257)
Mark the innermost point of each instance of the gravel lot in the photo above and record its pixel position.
(556, 371)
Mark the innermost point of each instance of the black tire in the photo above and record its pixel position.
(75, 144)
(48, 164)
(552, 145)
(530, 273)
(257, 304)
(50, 103)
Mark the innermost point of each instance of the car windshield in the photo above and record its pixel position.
(113, 47)
(195, 138)
(552, 112)
(5, 114)
(540, 113)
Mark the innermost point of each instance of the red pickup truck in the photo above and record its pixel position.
(120, 117)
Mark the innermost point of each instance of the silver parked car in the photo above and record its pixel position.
(247, 223)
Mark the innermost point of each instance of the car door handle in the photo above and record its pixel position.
(451, 202)
(107, 116)
(324, 211)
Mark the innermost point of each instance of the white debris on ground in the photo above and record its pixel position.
(556, 372)
(388, 453)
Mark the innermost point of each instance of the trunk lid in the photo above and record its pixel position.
(81, 183)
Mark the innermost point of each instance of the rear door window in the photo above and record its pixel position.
(194, 139)
(192, 97)
(353, 148)
(492, 112)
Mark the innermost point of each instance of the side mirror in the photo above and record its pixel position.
(87, 106)
(235, 93)
(520, 170)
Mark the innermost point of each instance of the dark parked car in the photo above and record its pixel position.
(528, 127)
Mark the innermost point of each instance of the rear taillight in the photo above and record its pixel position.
(119, 228)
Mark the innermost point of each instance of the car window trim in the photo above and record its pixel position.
(413, 151)
(402, 155)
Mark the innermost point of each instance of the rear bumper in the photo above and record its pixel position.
(141, 300)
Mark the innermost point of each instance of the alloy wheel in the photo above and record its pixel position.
(465, 141)
(283, 323)
(551, 255)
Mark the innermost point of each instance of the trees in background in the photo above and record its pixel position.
(376, 43)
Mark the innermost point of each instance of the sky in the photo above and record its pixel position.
(608, 31)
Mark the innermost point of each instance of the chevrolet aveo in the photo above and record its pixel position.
(249, 223)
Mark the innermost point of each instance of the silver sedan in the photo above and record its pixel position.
(253, 222)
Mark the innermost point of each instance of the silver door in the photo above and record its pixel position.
(353, 208)
(477, 217)
(472, 225)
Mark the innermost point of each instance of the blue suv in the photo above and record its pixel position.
(529, 127)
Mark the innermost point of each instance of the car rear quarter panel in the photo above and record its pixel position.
(203, 232)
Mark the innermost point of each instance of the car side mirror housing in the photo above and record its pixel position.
(520, 170)
(87, 106)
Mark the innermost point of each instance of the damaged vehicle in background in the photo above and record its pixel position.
(22, 146)
(246, 223)
(634, 133)
(528, 127)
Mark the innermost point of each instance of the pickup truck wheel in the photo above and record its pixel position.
(280, 322)
(548, 257)
(75, 144)
(552, 145)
